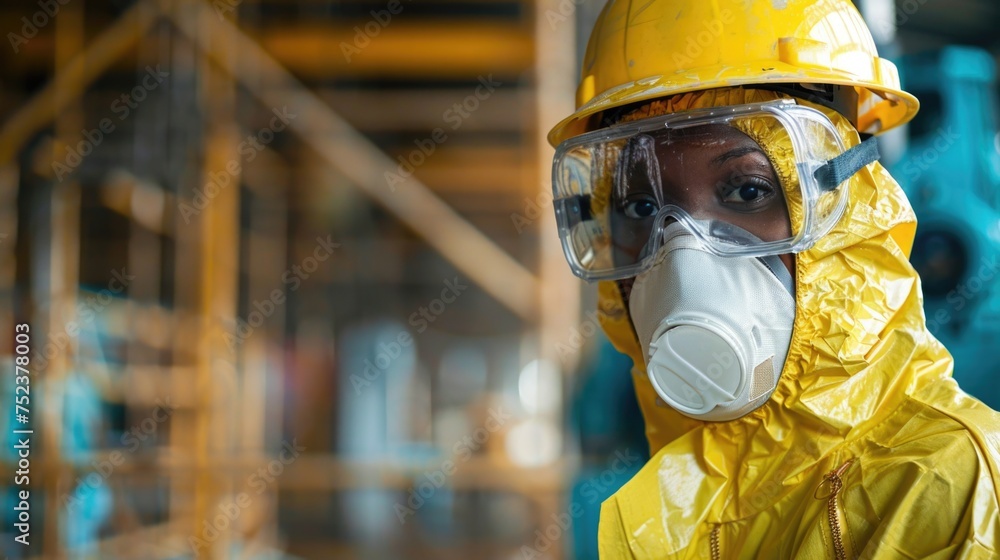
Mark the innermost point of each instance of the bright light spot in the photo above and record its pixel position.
(539, 387)
(533, 443)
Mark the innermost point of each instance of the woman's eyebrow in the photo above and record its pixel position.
(736, 153)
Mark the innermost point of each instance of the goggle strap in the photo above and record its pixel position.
(777, 268)
(844, 166)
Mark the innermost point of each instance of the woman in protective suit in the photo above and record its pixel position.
(720, 181)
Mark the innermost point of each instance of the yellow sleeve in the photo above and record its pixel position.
(929, 491)
(612, 538)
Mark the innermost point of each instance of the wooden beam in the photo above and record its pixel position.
(339, 50)
(318, 471)
(475, 169)
(421, 110)
(401, 49)
(555, 70)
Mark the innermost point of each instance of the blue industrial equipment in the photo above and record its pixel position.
(613, 445)
(951, 174)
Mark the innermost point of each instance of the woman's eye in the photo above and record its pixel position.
(748, 191)
(638, 209)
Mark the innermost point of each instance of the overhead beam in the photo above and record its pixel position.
(373, 110)
(369, 49)
(345, 50)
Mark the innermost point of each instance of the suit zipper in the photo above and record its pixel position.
(836, 481)
(714, 543)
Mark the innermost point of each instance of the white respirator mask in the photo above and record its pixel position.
(714, 330)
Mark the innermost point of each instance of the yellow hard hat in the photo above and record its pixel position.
(819, 49)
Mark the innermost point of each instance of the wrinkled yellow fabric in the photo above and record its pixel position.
(864, 382)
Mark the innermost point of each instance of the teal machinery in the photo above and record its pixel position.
(950, 171)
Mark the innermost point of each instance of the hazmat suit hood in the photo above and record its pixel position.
(867, 448)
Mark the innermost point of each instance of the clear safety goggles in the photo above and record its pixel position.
(616, 189)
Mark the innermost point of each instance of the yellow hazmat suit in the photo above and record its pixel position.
(867, 448)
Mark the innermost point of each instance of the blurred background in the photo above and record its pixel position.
(291, 285)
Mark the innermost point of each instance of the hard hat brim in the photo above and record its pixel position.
(896, 108)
